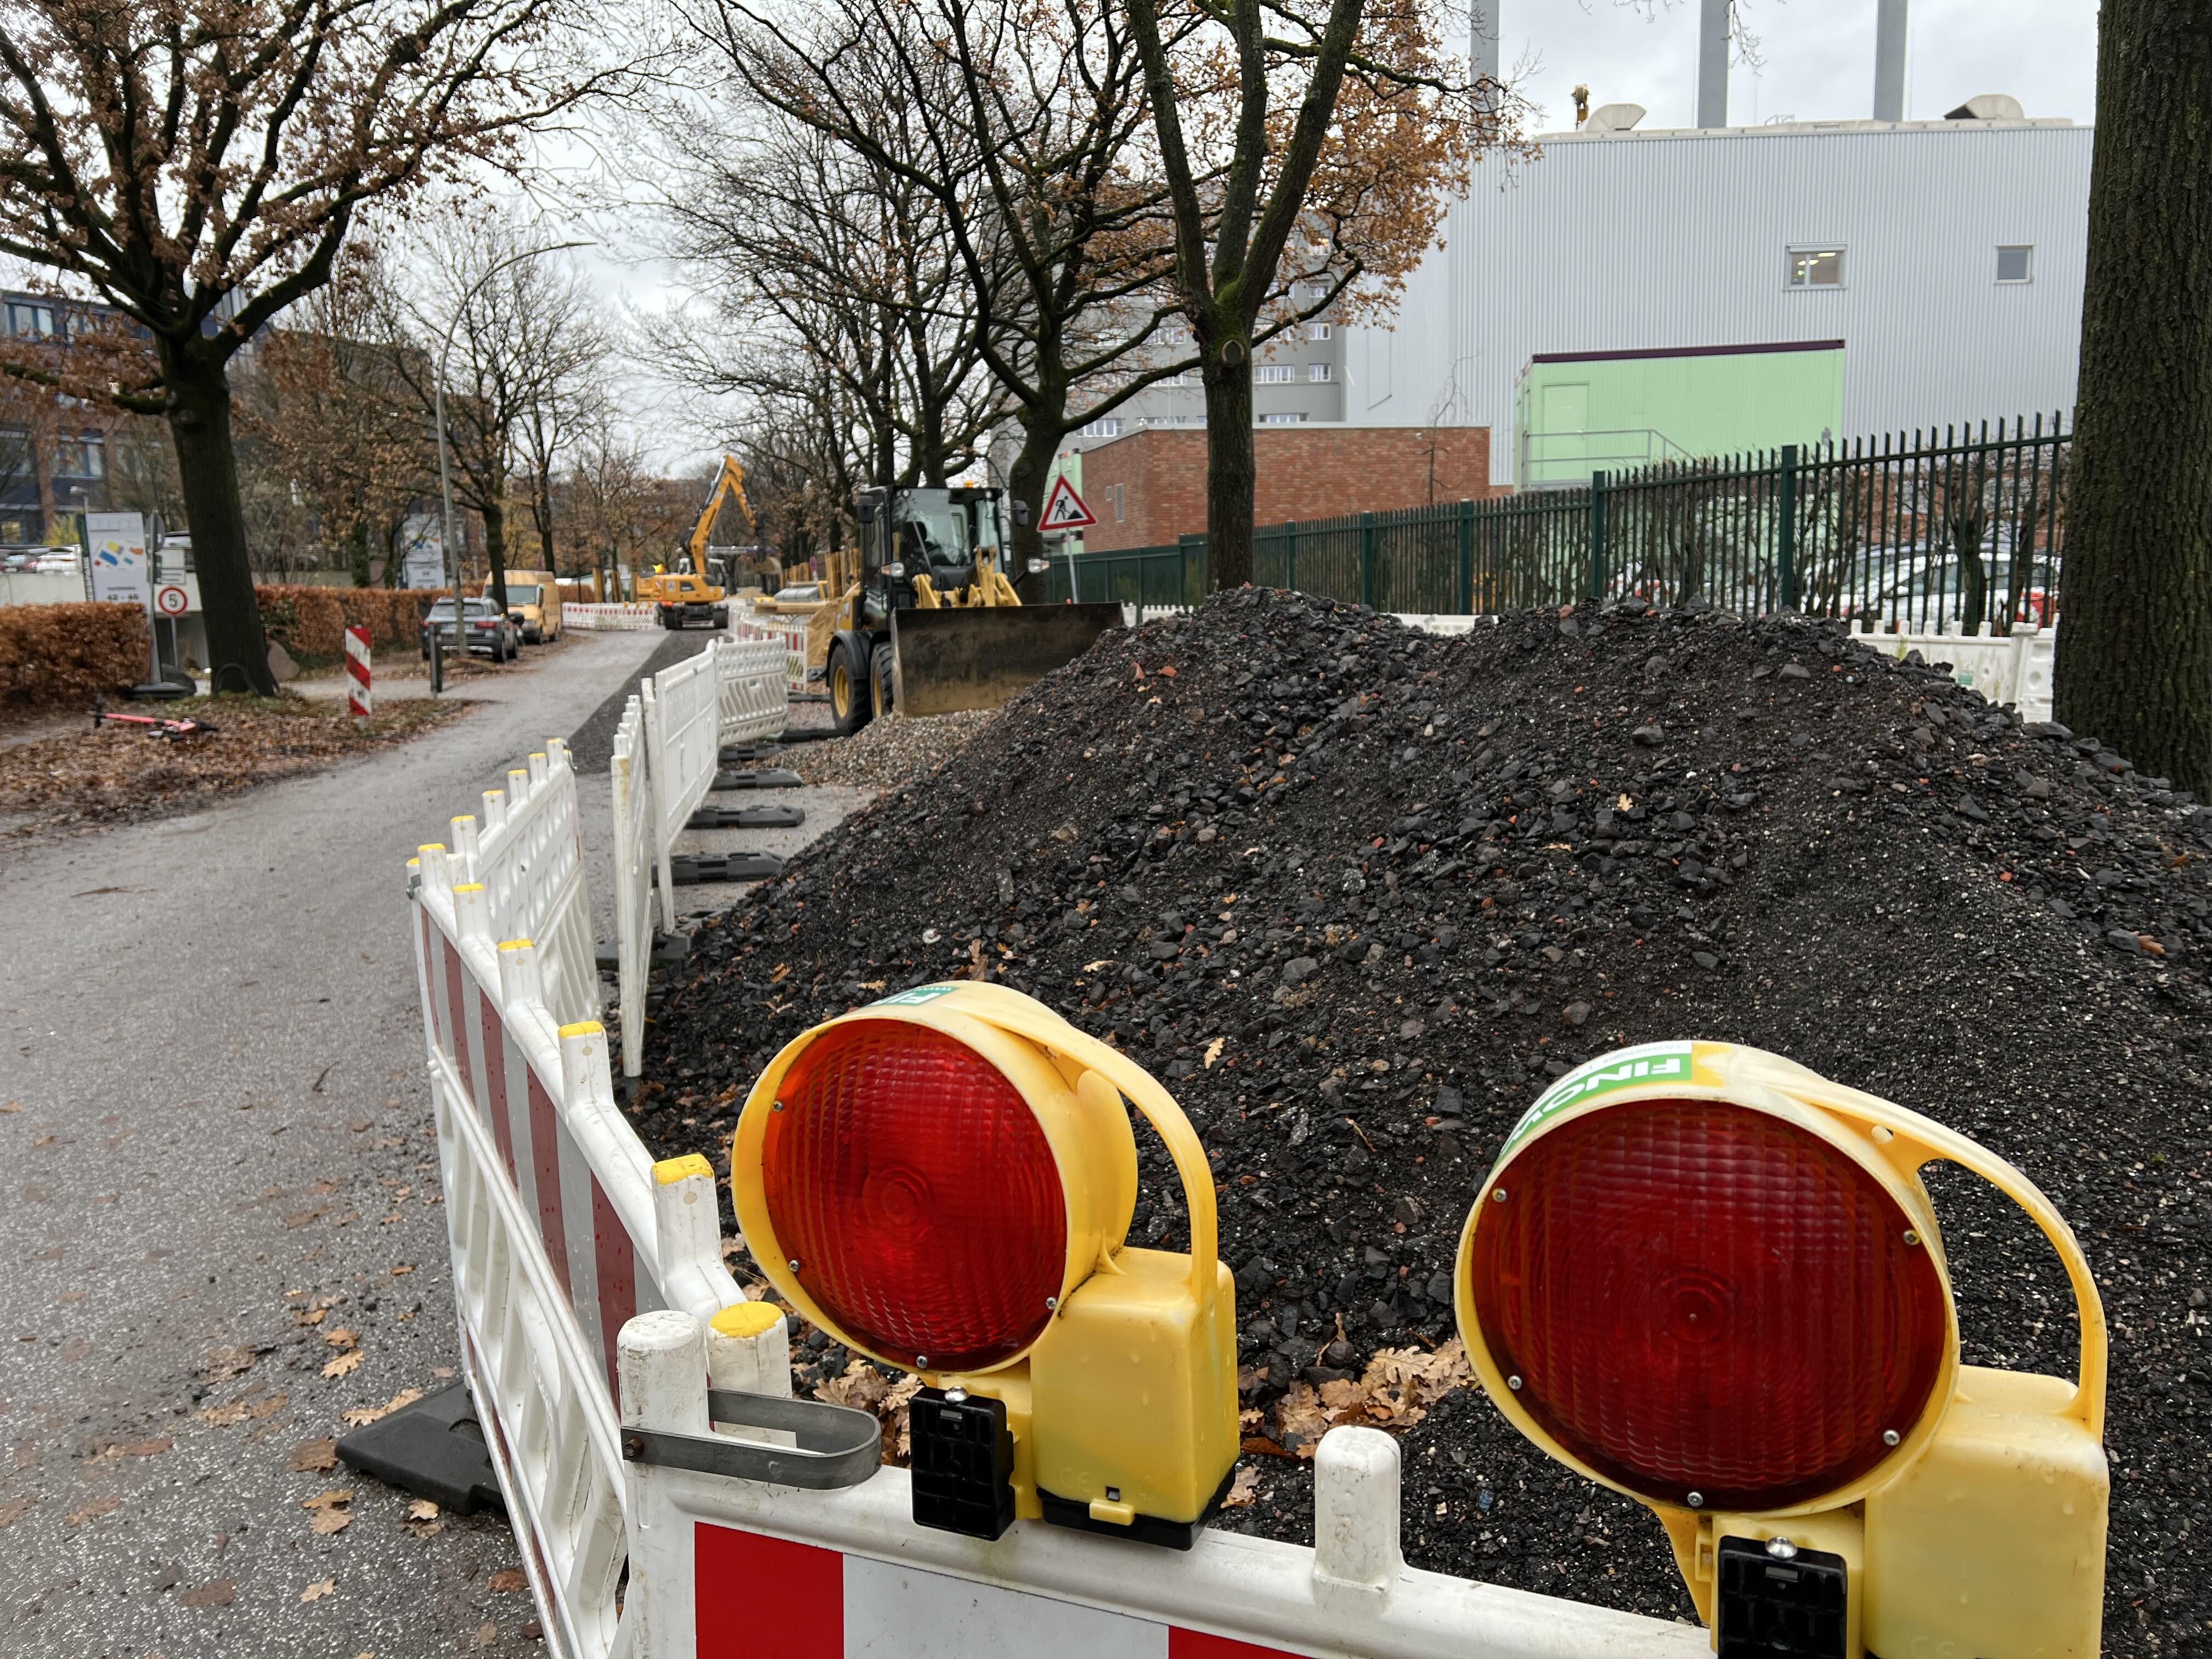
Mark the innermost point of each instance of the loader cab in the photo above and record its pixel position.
(944, 534)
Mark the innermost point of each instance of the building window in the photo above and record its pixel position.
(1311, 290)
(1281, 420)
(1175, 333)
(1182, 377)
(1276, 374)
(1816, 267)
(1320, 372)
(80, 459)
(1118, 492)
(1109, 428)
(2015, 265)
(31, 321)
(1316, 330)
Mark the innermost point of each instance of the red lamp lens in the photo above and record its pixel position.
(915, 1191)
(1698, 1297)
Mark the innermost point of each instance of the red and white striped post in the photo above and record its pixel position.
(358, 697)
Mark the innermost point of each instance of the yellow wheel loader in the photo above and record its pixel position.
(934, 624)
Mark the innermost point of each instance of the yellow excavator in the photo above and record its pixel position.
(687, 595)
(934, 624)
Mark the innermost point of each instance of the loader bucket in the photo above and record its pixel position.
(953, 658)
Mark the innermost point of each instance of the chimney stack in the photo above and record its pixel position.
(1889, 33)
(1713, 63)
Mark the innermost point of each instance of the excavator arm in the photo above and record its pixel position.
(731, 481)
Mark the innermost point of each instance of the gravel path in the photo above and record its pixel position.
(886, 752)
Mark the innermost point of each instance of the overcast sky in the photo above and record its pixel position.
(1817, 58)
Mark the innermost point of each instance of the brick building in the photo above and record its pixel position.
(1148, 487)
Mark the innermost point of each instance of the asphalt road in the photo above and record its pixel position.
(215, 1158)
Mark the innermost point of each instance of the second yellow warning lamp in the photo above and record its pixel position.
(944, 1180)
(1712, 1280)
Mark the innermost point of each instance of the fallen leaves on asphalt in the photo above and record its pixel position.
(344, 1364)
(119, 774)
(105, 1504)
(360, 1416)
(15, 1510)
(1243, 1490)
(318, 1590)
(216, 1593)
(329, 1509)
(313, 1457)
(1395, 1392)
(508, 1579)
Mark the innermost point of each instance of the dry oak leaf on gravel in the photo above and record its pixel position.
(318, 1590)
(344, 1364)
(362, 1416)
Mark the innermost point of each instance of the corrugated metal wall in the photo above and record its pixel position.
(1680, 239)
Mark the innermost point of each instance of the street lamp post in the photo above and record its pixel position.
(438, 398)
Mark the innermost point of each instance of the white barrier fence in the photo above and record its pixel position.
(666, 752)
(566, 1237)
(788, 632)
(561, 1229)
(604, 617)
(634, 866)
(528, 855)
(682, 706)
(2014, 669)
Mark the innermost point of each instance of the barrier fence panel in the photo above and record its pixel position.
(789, 632)
(528, 853)
(634, 866)
(561, 1229)
(849, 1573)
(604, 617)
(752, 688)
(683, 723)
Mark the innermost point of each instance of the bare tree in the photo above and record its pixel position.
(1346, 133)
(1026, 125)
(198, 164)
(617, 508)
(528, 352)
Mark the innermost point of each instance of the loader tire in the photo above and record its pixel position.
(849, 694)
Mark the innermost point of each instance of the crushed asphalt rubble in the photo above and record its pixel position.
(1358, 894)
(884, 752)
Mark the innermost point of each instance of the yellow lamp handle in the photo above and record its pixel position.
(1019, 1015)
(1919, 1140)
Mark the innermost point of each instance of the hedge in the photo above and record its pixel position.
(310, 623)
(62, 654)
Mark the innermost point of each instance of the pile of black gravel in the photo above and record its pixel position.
(1402, 882)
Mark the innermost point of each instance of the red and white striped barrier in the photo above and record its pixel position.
(359, 699)
(604, 618)
(849, 1573)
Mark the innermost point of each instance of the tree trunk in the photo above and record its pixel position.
(1029, 478)
(1231, 471)
(207, 465)
(2135, 652)
(543, 484)
(495, 524)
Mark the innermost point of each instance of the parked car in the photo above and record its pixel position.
(60, 561)
(489, 634)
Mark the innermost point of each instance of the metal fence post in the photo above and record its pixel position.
(1291, 555)
(1597, 536)
(1467, 559)
(1785, 532)
(1367, 559)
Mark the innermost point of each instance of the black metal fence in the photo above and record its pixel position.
(1918, 535)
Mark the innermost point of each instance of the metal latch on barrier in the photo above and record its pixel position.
(837, 1446)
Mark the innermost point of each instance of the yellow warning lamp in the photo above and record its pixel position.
(1710, 1278)
(944, 1180)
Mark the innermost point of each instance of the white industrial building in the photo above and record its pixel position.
(1946, 255)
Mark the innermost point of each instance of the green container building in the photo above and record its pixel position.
(1579, 412)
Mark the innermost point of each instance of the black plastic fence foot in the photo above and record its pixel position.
(434, 1449)
(689, 869)
(746, 818)
(760, 777)
(738, 753)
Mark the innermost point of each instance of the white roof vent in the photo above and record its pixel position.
(1614, 118)
(1989, 106)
